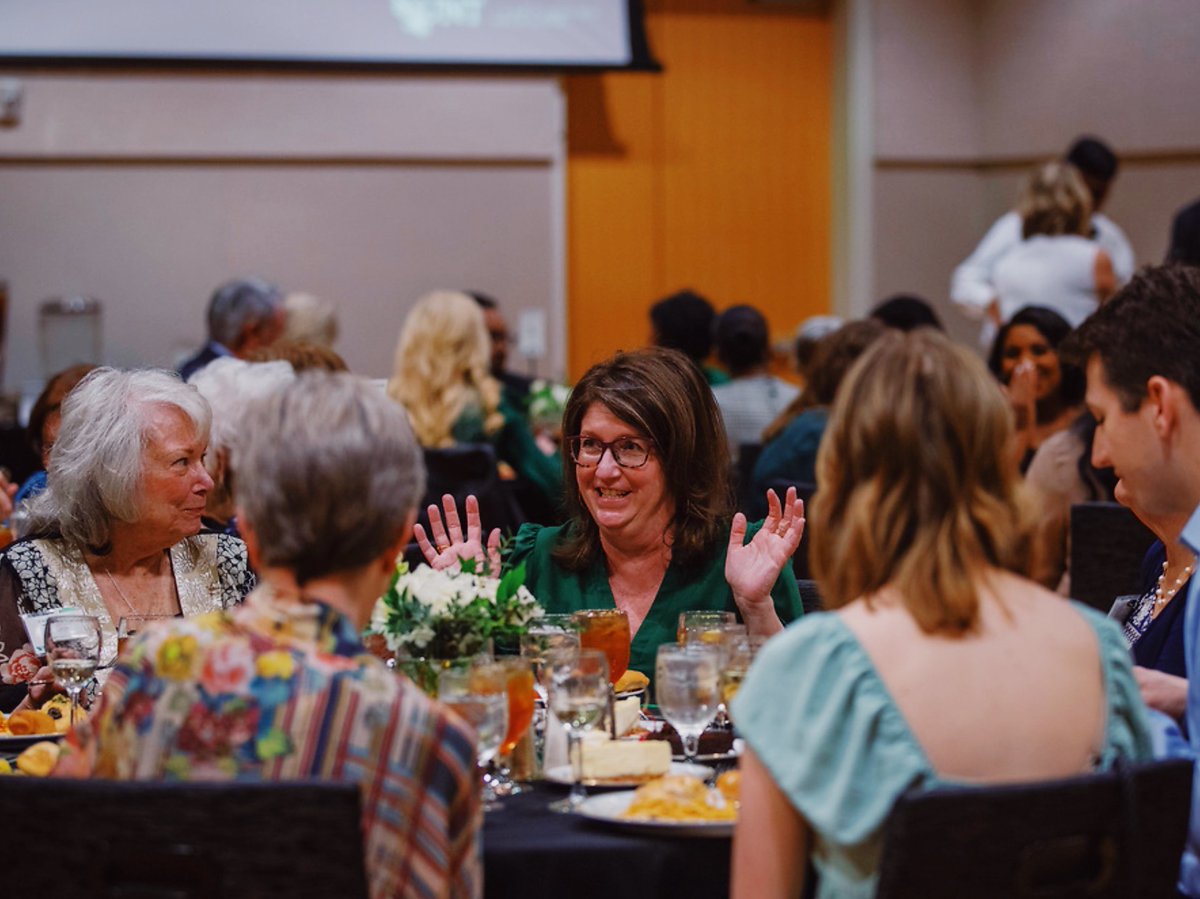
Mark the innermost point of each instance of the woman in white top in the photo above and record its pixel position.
(1057, 265)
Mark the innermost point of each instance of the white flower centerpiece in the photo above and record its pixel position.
(431, 619)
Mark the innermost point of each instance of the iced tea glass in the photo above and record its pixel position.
(608, 631)
(518, 686)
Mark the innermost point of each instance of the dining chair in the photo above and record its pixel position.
(1113, 834)
(152, 840)
(743, 476)
(804, 491)
(465, 469)
(1107, 546)
(810, 596)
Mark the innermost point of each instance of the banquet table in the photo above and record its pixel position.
(531, 852)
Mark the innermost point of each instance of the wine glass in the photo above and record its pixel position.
(541, 640)
(736, 657)
(702, 625)
(608, 631)
(485, 709)
(516, 677)
(73, 650)
(579, 689)
(686, 685)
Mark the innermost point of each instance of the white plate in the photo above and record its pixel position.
(731, 756)
(9, 743)
(608, 807)
(565, 775)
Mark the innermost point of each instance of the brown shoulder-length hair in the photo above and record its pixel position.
(660, 394)
(835, 354)
(919, 488)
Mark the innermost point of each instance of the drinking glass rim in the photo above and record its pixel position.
(600, 613)
(688, 649)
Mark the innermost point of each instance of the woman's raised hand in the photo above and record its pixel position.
(449, 545)
(752, 568)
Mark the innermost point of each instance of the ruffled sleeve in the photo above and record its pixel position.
(524, 546)
(817, 715)
(1127, 729)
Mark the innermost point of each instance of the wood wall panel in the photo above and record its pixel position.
(714, 174)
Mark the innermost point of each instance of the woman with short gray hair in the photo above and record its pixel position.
(319, 513)
(117, 532)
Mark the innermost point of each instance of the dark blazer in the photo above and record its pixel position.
(207, 353)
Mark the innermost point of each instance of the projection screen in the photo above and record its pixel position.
(375, 33)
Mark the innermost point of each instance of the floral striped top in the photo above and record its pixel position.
(277, 690)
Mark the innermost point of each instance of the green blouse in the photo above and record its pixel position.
(818, 716)
(701, 587)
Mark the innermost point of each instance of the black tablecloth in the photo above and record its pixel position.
(530, 852)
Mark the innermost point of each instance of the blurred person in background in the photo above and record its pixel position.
(906, 311)
(754, 397)
(791, 441)
(309, 319)
(684, 321)
(973, 286)
(243, 315)
(300, 355)
(516, 386)
(442, 377)
(1061, 475)
(44, 420)
(808, 335)
(232, 388)
(1185, 236)
(1057, 265)
(1045, 390)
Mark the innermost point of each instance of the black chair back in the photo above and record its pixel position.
(152, 840)
(810, 596)
(1107, 546)
(805, 492)
(743, 477)
(1115, 834)
(466, 469)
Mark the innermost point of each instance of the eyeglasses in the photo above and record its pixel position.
(628, 452)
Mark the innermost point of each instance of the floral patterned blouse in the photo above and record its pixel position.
(278, 690)
(211, 572)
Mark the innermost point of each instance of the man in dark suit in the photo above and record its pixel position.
(243, 315)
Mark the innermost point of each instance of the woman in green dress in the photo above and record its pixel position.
(651, 528)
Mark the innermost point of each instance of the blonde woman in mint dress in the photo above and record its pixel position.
(941, 662)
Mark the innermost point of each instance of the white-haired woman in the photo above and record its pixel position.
(442, 378)
(231, 386)
(117, 533)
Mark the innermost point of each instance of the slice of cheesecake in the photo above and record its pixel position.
(625, 760)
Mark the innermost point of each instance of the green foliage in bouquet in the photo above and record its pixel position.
(452, 613)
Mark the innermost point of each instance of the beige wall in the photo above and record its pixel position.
(147, 190)
(969, 94)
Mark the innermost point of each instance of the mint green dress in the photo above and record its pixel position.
(815, 711)
(703, 587)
